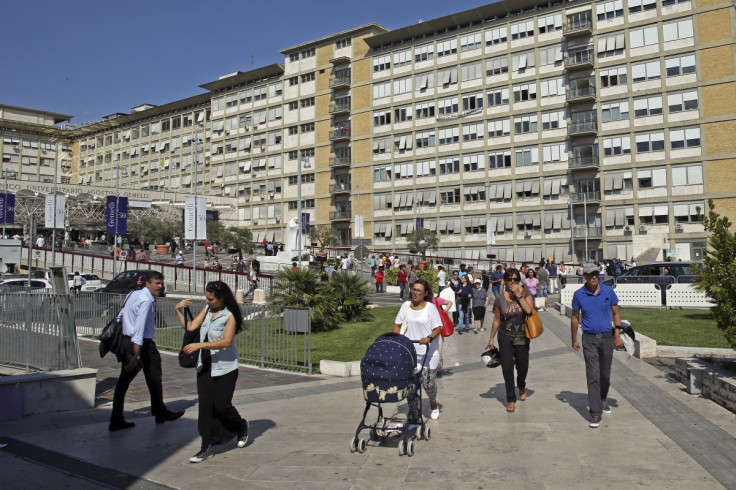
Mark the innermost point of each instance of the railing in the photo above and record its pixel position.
(342, 133)
(178, 277)
(582, 127)
(265, 340)
(646, 291)
(342, 214)
(580, 162)
(340, 107)
(580, 93)
(37, 332)
(339, 188)
(579, 26)
(592, 232)
(580, 58)
(591, 196)
(339, 81)
(339, 161)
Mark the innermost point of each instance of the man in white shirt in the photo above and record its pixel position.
(40, 241)
(441, 278)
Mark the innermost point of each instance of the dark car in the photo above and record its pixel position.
(126, 282)
(660, 273)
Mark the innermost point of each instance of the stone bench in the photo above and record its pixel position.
(708, 380)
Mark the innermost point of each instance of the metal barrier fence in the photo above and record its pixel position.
(265, 341)
(179, 277)
(37, 333)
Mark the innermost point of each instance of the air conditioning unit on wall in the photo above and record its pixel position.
(642, 228)
(627, 228)
(527, 234)
(678, 226)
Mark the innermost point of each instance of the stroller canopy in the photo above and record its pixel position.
(387, 369)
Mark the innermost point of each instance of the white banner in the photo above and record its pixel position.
(49, 215)
(195, 214)
(490, 232)
(359, 219)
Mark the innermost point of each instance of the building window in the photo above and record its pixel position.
(521, 61)
(404, 170)
(474, 162)
(426, 168)
(450, 196)
(615, 111)
(648, 106)
(218, 104)
(641, 5)
(343, 43)
(448, 105)
(402, 58)
(449, 135)
(446, 47)
(649, 70)
(613, 77)
(402, 114)
(473, 131)
(684, 138)
(618, 145)
(649, 142)
(382, 174)
(554, 119)
(498, 97)
(646, 36)
(687, 175)
(425, 139)
(554, 153)
(682, 101)
(497, 35)
(424, 53)
(522, 30)
(550, 55)
(499, 127)
(497, 66)
(425, 109)
(549, 23)
(527, 156)
(525, 91)
(501, 159)
(381, 90)
(525, 124)
(308, 102)
(471, 71)
(381, 63)
(680, 65)
(293, 81)
(470, 42)
(610, 10)
(682, 29)
(382, 118)
(402, 85)
(306, 128)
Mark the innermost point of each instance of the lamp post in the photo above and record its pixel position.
(194, 246)
(53, 229)
(5, 199)
(299, 204)
(117, 213)
(572, 229)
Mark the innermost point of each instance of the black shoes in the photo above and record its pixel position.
(204, 453)
(168, 416)
(243, 434)
(115, 426)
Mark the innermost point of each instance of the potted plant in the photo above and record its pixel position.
(148, 229)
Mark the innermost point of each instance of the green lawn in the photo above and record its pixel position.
(691, 328)
(350, 341)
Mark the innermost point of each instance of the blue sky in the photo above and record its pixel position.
(93, 58)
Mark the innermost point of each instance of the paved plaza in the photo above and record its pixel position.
(657, 436)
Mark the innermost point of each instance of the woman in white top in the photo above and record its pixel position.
(423, 325)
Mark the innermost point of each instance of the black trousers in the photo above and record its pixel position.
(513, 355)
(151, 364)
(217, 415)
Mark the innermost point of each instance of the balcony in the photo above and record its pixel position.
(577, 28)
(582, 94)
(341, 188)
(338, 107)
(341, 214)
(343, 81)
(580, 59)
(340, 134)
(589, 232)
(586, 197)
(583, 162)
(579, 128)
(340, 161)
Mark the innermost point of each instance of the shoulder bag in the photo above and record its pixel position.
(447, 326)
(533, 327)
(189, 360)
(111, 338)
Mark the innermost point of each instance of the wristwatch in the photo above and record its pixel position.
(137, 358)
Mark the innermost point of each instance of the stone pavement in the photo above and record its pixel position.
(657, 436)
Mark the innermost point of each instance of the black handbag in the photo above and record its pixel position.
(189, 360)
(111, 338)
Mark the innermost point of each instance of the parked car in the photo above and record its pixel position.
(660, 273)
(18, 284)
(93, 282)
(126, 282)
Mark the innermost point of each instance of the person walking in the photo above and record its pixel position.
(464, 295)
(480, 303)
(496, 279)
(542, 292)
(423, 324)
(554, 285)
(441, 279)
(78, 281)
(401, 281)
(217, 367)
(411, 276)
(509, 319)
(252, 279)
(379, 280)
(372, 263)
(139, 326)
(173, 245)
(592, 307)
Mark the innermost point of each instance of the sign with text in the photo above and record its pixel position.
(420, 224)
(195, 218)
(359, 219)
(305, 222)
(116, 206)
(7, 209)
(49, 221)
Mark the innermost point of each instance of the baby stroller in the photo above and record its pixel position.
(387, 373)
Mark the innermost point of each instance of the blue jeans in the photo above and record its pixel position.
(401, 290)
(252, 288)
(464, 317)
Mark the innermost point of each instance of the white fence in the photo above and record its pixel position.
(686, 296)
(649, 295)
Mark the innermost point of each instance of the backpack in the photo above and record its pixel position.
(84, 281)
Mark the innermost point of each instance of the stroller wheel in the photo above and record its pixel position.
(427, 433)
(362, 445)
(410, 447)
(402, 447)
(353, 444)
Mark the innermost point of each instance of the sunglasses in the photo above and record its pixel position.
(418, 291)
(513, 279)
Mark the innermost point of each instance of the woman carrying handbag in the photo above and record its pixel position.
(509, 320)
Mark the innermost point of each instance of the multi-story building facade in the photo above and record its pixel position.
(556, 129)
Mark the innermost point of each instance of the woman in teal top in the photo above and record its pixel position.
(217, 366)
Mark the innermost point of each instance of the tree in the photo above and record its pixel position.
(353, 296)
(718, 277)
(324, 235)
(423, 240)
(238, 238)
(147, 229)
(302, 287)
(215, 231)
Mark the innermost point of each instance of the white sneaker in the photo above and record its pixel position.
(435, 413)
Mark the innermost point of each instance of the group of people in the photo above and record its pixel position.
(513, 293)
(217, 362)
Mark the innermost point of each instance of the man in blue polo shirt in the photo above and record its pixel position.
(594, 303)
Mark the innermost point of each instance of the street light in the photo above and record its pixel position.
(194, 253)
(305, 160)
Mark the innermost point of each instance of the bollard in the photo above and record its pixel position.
(239, 296)
(695, 380)
(259, 296)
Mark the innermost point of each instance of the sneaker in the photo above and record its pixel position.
(606, 406)
(243, 434)
(459, 331)
(595, 421)
(435, 413)
(475, 331)
(204, 453)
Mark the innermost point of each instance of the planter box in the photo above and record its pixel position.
(716, 384)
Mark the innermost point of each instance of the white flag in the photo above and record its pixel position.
(359, 226)
(195, 213)
(490, 232)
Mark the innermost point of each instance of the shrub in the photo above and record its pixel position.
(302, 287)
(352, 295)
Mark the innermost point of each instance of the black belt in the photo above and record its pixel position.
(604, 335)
